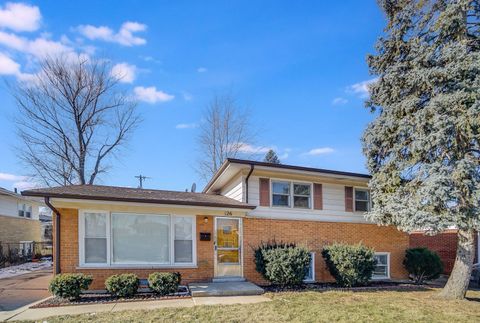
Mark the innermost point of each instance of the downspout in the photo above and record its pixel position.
(57, 235)
(246, 182)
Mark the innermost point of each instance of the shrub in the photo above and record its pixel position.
(123, 285)
(350, 265)
(164, 283)
(69, 286)
(283, 264)
(422, 264)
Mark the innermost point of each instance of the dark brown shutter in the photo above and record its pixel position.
(348, 199)
(317, 196)
(264, 192)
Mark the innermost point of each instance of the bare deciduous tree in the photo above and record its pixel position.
(225, 132)
(72, 119)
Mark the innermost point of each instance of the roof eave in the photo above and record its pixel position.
(138, 200)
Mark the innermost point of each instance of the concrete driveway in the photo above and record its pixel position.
(22, 290)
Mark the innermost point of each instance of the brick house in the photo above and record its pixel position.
(445, 244)
(102, 230)
(19, 221)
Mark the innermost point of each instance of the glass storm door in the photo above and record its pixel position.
(228, 251)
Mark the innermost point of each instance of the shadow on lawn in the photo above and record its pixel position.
(331, 287)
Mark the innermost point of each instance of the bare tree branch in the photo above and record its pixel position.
(224, 132)
(72, 118)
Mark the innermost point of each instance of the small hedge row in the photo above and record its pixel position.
(350, 265)
(286, 264)
(70, 286)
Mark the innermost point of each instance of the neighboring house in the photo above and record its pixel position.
(445, 244)
(212, 235)
(19, 220)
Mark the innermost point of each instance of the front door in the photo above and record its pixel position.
(228, 247)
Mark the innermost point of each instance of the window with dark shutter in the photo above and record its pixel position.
(348, 199)
(264, 192)
(317, 197)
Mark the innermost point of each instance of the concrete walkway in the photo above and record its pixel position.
(22, 290)
(26, 313)
(234, 288)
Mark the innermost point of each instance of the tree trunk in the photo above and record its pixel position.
(457, 283)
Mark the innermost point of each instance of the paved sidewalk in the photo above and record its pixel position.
(22, 290)
(27, 313)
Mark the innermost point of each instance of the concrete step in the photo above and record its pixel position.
(233, 288)
(228, 279)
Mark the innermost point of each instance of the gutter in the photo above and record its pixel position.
(57, 235)
(252, 166)
(236, 205)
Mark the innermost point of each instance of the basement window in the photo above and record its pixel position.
(382, 266)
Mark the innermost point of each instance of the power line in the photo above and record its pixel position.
(141, 178)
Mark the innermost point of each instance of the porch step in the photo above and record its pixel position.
(228, 279)
(232, 288)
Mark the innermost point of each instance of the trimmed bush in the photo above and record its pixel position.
(283, 264)
(164, 283)
(69, 286)
(123, 285)
(350, 265)
(422, 264)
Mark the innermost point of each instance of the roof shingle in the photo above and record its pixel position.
(138, 195)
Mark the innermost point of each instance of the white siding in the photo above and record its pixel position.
(333, 197)
(9, 206)
(234, 189)
(333, 206)
(254, 190)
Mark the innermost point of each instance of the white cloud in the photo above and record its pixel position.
(11, 177)
(20, 17)
(8, 66)
(39, 47)
(187, 96)
(125, 35)
(286, 153)
(151, 94)
(25, 185)
(150, 59)
(124, 72)
(186, 125)
(361, 88)
(320, 151)
(243, 147)
(202, 69)
(339, 101)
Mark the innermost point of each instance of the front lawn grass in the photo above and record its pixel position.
(378, 306)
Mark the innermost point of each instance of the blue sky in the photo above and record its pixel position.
(299, 66)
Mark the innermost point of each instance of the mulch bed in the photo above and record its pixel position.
(104, 298)
(323, 287)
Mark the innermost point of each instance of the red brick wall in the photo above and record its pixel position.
(314, 235)
(69, 254)
(445, 244)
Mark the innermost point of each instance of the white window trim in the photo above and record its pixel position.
(81, 238)
(21, 207)
(309, 196)
(291, 195)
(369, 207)
(312, 253)
(388, 266)
(110, 264)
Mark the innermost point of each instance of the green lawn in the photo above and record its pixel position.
(380, 306)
